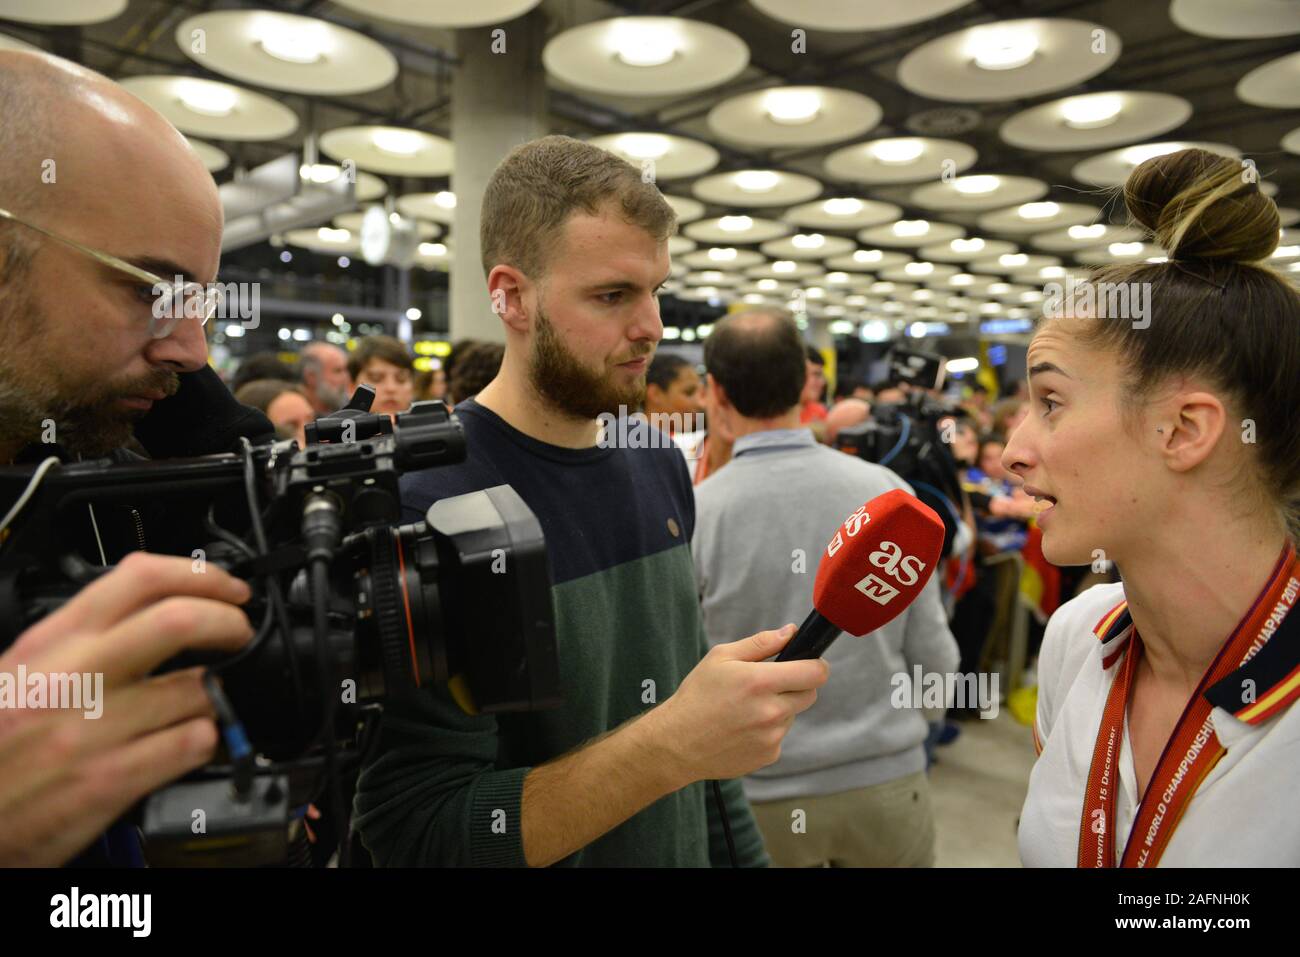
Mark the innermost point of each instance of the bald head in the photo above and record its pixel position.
(84, 160)
(75, 146)
(845, 414)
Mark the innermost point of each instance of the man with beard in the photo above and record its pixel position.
(575, 247)
(96, 187)
(325, 377)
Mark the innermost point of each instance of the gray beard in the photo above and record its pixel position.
(33, 402)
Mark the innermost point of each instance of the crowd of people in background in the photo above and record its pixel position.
(292, 390)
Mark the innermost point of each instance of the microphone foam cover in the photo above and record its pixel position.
(877, 562)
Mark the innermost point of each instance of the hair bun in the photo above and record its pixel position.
(1200, 205)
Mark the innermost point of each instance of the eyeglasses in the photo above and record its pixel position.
(173, 300)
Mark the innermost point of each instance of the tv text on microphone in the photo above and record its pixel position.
(875, 565)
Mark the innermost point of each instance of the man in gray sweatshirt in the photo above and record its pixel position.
(849, 789)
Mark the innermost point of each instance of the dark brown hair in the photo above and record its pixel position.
(260, 393)
(379, 347)
(1216, 310)
(476, 366)
(540, 184)
(758, 358)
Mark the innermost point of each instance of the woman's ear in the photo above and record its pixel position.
(1190, 428)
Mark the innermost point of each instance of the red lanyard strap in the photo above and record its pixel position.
(1192, 750)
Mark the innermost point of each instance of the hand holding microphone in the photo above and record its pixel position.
(876, 565)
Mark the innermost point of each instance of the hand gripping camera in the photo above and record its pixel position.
(350, 605)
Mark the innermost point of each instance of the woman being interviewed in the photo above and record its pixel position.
(1167, 726)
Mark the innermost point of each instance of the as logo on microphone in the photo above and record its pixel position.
(852, 525)
(904, 569)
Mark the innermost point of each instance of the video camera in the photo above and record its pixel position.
(908, 439)
(353, 606)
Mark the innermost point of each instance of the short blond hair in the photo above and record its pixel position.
(541, 183)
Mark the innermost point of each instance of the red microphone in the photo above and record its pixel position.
(874, 567)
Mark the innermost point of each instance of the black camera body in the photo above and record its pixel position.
(353, 606)
(906, 437)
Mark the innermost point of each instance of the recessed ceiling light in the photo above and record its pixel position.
(845, 206)
(1038, 210)
(962, 279)
(445, 199)
(1095, 231)
(331, 235)
(1141, 153)
(721, 254)
(868, 256)
(300, 43)
(735, 224)
(767, 285)
(966, 245)
(792, 107)
(809, 241)
(398, 142)
(643, 145)
(645, 44)
(1124, 249)
(784, 265)
(976, 185)
(897, 151)
(911, 227)
(1001, 48)
(1091, 111)
(756, 180)
(919, 269)
(1013, 259)
(208, 98)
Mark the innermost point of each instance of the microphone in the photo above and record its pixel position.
(874, 567)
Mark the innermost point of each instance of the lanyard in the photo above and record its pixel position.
(1190, 754)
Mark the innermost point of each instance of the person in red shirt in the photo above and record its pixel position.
(811, 408)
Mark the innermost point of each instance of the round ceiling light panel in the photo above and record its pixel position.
(673, 157)
(65, 13)
(787, 116)
(284, 51)
(217, 110)
(905, 159)
(393, 150)
(1275, 84)
(756, 187)
(976, 192)
(1113, 168)
(1009, 59)
(1236, 19)
(645, 56)
(1095, 120)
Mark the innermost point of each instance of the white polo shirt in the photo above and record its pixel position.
(1243, 813)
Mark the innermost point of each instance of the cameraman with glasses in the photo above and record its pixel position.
(102, 206)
